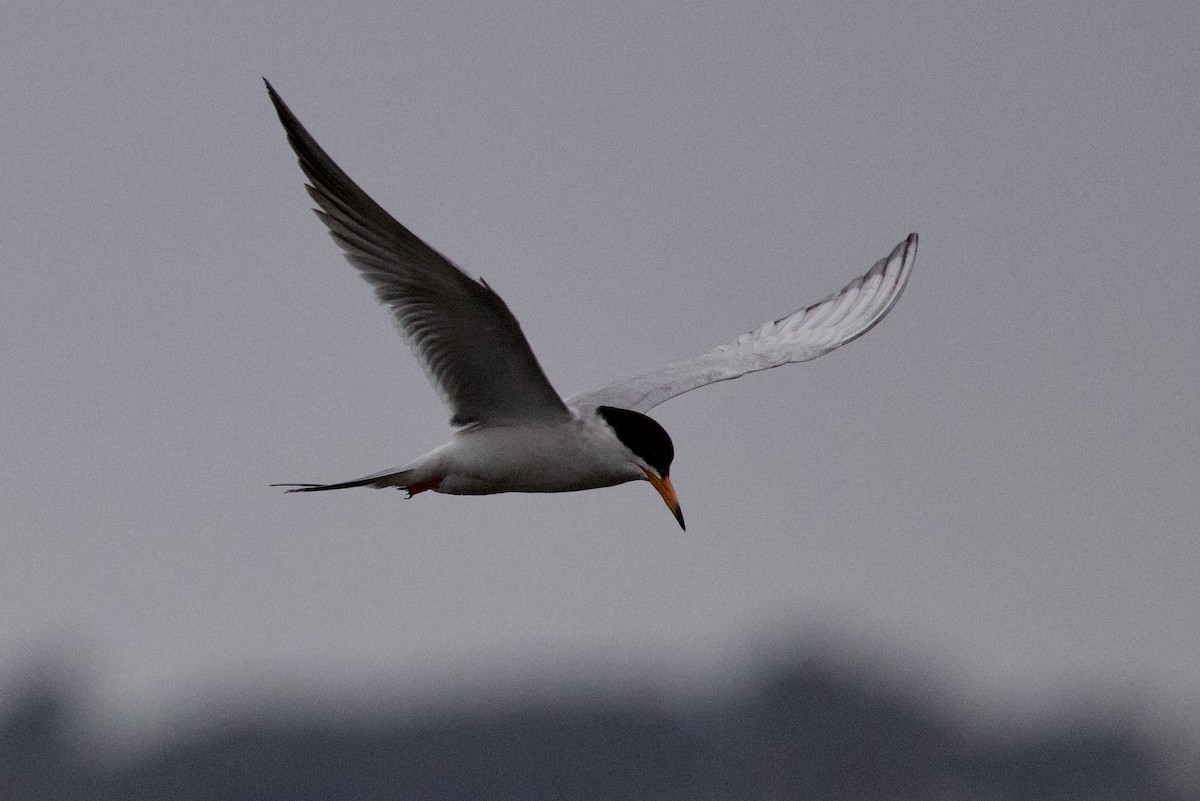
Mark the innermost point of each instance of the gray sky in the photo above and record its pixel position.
(1001, 478)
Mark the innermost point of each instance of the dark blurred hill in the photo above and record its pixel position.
(806, 732)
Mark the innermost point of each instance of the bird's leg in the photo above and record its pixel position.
(421, 486)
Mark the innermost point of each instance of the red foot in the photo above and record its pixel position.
(421, 486)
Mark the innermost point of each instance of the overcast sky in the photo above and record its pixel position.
(1002, 478)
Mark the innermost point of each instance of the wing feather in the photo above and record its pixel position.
(466, 339)
(803, 335)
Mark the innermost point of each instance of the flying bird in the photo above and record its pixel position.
(516, 434)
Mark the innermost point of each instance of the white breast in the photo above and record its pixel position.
(581, 453)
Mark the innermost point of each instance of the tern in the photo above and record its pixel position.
(515, 433)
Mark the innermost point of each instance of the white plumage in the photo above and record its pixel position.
(517, 434)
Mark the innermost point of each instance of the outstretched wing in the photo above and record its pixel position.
(806, 334)
(462, 333)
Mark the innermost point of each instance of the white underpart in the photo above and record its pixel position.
(582, 453)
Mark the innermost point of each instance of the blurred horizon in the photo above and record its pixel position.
(727, 671)
(822, 716)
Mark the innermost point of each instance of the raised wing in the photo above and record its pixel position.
(806, 334)
(462, 333)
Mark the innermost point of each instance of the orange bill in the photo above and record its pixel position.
(663, 485)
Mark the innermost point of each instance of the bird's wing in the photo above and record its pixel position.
(806, 334)
(462, 333)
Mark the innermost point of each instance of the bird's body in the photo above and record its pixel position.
(517, 434)
(575, 454)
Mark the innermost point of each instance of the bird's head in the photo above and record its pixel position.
(651, 447)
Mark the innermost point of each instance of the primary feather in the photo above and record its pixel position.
(805, 334)
(462, 333)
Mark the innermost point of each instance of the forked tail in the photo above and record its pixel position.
(399, 479)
